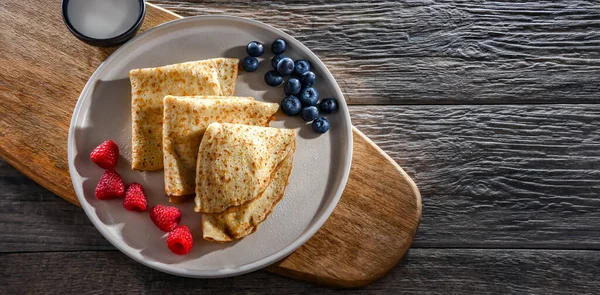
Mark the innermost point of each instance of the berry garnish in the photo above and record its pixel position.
(285, 66)
(309, 113)
(135, 198)
(110, 186)
(180, 240)
(301, 67)
(308, 96)
(275, 60)
(320, 125)
(255, 49)
(278, 46)
(308, 79)
(166, 218)
(106, 155)
(273, 78)
(328, 105)
(292, 87)
(291, 105)
(250, 64)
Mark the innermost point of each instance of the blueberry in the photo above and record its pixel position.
(276, 60)
(255, 49)
(273, 78)
(309, 96)
(328, 105)
(250, 64)
(292, 87)
(291, 105)
(301, 67)
(278, 47)
(308, 79)
(320, 125)
(309, 113)
(285, 66)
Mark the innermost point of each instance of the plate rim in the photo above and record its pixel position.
(226, 272)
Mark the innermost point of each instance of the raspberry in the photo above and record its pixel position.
(135, 198)
(110, 186)
(180, 240)
(166, 218)
(106, 155)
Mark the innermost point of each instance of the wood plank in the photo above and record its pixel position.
(35, 219)
(441, 52)
(523, 176)
(424, 271)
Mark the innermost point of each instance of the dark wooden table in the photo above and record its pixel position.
(492, 108)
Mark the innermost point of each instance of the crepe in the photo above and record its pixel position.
(148, 88)
(229, 226)
(184, 122)
(236, 163)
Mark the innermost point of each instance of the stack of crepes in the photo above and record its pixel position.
(185, 120)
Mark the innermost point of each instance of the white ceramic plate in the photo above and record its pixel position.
(321, 162)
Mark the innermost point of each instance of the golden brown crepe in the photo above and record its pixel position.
(148, 88)
(236, 164)
(186, 119)
(228, 226)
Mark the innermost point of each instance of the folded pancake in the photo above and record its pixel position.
(148, 88)
(236, 164)
(228, 226)
(184, 122)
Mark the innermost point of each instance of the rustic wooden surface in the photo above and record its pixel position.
(423, 271)
(510, 192)
(347, 251)
(440, 52)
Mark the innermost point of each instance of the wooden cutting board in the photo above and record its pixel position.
(43, 68)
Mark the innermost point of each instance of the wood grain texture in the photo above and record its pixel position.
(423, 271)
(339, 254)
(34, 219)
(525, 176)
(440, 52)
